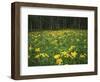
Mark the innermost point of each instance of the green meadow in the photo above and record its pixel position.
(57, 47)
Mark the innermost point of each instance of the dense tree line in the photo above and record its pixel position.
(36, 22)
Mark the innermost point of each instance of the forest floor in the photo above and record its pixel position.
(58, 47)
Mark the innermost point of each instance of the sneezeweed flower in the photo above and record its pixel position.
(71, 48)
(59, 61)
(85, 54)
(44, 55)
(64, 53)
(37, 56)
(57, 56)
(74, 54)
(67, 55)
(37, 49)
(82, 56)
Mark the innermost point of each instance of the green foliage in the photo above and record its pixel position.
(57, 47)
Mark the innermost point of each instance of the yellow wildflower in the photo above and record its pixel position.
(42, 55)
(37, 56)
(57, 56)
(71, 48)
(64, 53)
(59, 61)
(37, 49)
(85, 54)
(67, 55)
(82, 56)
(74, 54)
(46, 55)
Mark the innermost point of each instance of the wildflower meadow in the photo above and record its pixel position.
(57, 40)
(58, 47)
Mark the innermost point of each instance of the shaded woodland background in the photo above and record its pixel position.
(36, 22)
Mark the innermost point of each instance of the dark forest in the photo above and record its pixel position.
(55, 22)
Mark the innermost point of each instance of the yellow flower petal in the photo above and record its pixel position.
(37, 50)
(74, 54)
(57, 56)
(71, 48)
(59, 61)
(37, 56)
(82, 56)
(64, 53)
